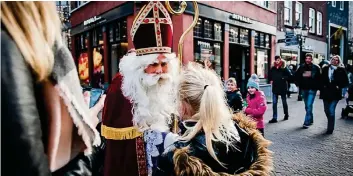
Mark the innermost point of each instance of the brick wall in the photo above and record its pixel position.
(316, 5)
(92, 9)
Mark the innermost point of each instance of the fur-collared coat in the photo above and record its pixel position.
(186, 164)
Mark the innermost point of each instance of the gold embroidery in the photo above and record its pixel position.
(120, 133)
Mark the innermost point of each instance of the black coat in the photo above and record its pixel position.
(234, 100)
(23, 123)
(236, 161)
(280, 77)
(306, 82)
(333, 90)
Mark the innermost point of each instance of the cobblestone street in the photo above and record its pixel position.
(310, 151)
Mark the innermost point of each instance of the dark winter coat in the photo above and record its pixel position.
(333, 90)
(308, 77)
(192, 158)
(235, 100)
(280, 77)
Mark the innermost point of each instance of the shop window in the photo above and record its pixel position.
(291, 57)
(244, 36)
(208, 50)
(82, 61)
(261, 63)
(198, 28)
(217, 31)
(217, 58)
(257, 41)
(234, 34)
(98, 67)
(208, 29)
(267, 41)
(262, 39)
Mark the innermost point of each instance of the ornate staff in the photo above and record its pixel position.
(181, 40)
(181, 11)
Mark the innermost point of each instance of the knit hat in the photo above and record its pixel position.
(253, 82)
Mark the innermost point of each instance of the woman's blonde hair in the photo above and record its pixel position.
(35, 27)
(202, 89)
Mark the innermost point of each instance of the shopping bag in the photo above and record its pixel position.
(293, 88)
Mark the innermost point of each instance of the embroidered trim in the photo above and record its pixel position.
(141, 157)
(153, 50)
(120, 133)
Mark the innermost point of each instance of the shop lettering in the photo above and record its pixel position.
(240, 18)
(91, 20)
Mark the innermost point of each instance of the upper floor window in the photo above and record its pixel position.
(262, 3)
(312, 20)
(342, 5)
(77, 4)
(333, 3)
(299, 13)
(319, 23)
(288, 13)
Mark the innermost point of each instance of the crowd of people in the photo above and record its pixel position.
(157, 118)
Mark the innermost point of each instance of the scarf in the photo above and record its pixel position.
(331, 70)
(69, 116)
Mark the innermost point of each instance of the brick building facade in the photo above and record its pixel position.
(312, 14)
(241, 40)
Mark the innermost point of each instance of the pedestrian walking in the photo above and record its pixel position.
(334, 79)
(234, 98)
(256, 103)
(45, 122)
(308, 78)
(279, 76)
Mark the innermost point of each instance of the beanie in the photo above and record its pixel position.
(253, 82)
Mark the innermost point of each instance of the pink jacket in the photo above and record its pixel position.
(257, 108)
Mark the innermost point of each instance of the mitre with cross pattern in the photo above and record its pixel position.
(152, 29)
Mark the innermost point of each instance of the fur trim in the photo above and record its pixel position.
(190, 165)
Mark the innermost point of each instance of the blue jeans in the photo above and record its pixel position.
(309, 97)
(330, 107)
(274, 105)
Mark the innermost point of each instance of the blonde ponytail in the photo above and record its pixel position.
(34, 26)
(202, 89)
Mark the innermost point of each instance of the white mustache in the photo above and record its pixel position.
(152, 79)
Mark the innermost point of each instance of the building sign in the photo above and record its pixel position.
(91, 20)
(241, 18)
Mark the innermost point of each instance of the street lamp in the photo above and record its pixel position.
(301, 33)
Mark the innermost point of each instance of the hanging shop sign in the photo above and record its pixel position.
(241, 18)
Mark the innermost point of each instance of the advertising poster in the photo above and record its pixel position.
(83, 69)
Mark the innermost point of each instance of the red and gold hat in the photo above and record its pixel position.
(152, 30)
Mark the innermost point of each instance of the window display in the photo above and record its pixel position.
(261, 63)
(98, 67)
(244, 36)
(234, 34)
(83, 69)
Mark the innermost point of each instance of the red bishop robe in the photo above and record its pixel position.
(125, 152)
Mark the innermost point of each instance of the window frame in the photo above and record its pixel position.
(341, 5)
(333, 3)
(290, 8)
(313, 26)
(319, 23)
(300, 14)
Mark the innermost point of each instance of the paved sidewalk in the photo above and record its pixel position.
(310, 152)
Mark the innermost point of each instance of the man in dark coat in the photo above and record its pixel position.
(279, 75)
(308, 78)
(334, 79)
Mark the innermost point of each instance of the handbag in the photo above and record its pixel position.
(293, 88)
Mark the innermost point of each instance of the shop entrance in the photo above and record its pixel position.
(239, 65)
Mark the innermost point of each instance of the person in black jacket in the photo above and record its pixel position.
(45, 122)
(278, 76)
(210, 138)
(234, 98)
(334, 78)
(308, 78)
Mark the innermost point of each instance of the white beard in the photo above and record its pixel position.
(153, 96)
